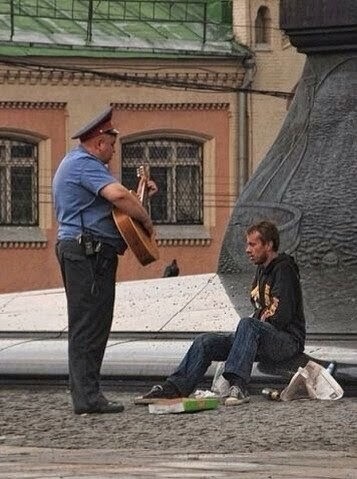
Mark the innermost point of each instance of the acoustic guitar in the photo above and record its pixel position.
(136, 237)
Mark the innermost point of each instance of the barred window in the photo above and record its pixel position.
(176, 166)
(18, 183)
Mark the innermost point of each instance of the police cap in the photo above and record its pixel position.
(99, 125)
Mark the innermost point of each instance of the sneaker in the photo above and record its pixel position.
(237, 396)
(166, 391)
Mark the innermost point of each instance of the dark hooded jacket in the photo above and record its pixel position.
(277, 297)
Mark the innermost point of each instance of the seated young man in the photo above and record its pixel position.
(275, 332)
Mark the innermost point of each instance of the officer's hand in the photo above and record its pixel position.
(151, 188)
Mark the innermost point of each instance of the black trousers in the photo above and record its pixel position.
(89, 283)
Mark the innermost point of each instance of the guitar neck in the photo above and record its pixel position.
(143, 174)
(142, 191)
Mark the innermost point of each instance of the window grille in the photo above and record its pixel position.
(18, 183)
(177, 168)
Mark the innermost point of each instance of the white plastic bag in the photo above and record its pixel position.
(220, 385)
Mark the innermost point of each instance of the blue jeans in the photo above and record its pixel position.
(253, 340)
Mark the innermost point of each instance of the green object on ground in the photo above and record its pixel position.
(171, 406)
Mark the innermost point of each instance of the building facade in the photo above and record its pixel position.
(173, 73)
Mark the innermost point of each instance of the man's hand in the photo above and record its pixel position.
(270, 310)
(152, 188)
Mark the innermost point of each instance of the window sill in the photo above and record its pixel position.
(22, 237)
(179, 235)
(263, 47)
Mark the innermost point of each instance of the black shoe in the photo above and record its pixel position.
(103, 408)
(166, 391)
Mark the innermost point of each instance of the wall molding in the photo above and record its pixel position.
(32, 105)
(23, 245)
(22, 76)
(184, 242)
(170, 106)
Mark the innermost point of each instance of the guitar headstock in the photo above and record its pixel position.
(143, 172)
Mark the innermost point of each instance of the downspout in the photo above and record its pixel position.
(243, 160)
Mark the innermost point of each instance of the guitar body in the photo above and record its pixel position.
(142, 245)
(136, 237)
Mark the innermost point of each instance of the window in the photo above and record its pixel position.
(18, 183)
(262, 26)
(176, 165)
(227, 11)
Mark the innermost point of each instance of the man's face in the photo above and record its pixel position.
(106, 147)
(257, 251)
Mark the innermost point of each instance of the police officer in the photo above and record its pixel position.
(88, 243)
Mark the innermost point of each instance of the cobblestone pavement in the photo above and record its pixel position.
(43, 418)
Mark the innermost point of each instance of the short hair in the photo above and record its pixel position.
(268, 231)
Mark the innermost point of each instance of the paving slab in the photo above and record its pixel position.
(193, 303)
(185, 303)
(45, 463)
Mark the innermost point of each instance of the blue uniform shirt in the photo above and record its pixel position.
(76, 185)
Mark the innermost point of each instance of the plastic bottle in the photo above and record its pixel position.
(272, 394)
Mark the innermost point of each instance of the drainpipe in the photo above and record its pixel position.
(243, 159)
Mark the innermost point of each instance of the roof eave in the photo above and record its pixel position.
(219, 50)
